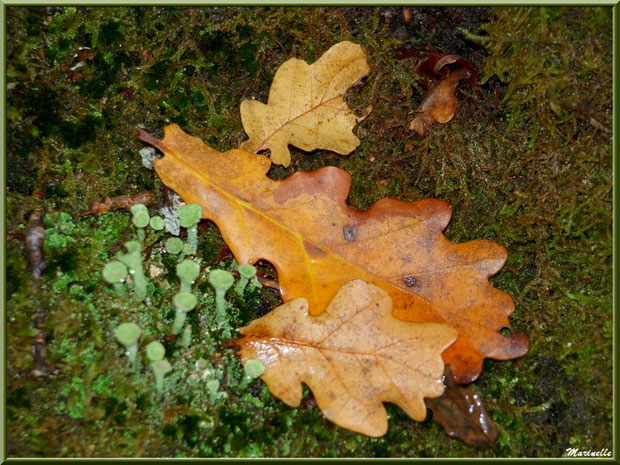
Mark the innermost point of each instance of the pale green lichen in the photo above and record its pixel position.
(115, 273)
(183, 302)
(133, 260)
(247, 273)
(189, 217)
(221, 280)
(187, 272)
(128, 334)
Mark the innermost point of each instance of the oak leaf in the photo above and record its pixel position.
(306, 106)
(303, 226)
(354, 356)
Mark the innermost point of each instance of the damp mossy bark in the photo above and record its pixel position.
(526, 162)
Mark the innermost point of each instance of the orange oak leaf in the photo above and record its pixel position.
(303, 226)
(306, 106)
(354, 356)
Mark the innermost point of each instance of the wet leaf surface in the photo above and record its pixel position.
(354, 356)
(439, 103)
(306, 106)
(462, 414)
(316, 243)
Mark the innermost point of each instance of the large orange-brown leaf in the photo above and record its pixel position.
(303, 226)
(354, 356)
(306, 106)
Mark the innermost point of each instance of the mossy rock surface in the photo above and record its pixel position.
(526, 162)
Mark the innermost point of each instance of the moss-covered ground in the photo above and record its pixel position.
(526, 161)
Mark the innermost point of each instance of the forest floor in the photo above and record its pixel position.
(526, 162)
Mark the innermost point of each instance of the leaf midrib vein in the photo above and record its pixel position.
(280, 128)
(321, 349)
(301, 239)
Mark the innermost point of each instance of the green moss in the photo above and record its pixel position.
(523, 163)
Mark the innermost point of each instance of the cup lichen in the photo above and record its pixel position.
(183, 302)
(189, 217)
(160, 369)
(140, 219)
(246, 273)
(133, 260)
(221, 280)
(157, 223)
(155, 351)
(174, 245)
(115, 273)
(187, 272)
(128, 335)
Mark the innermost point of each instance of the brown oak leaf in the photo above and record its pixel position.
(354, 356)
(306, 106)
(303, 226)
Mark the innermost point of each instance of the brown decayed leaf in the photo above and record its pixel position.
(435, 65)
(439, 103)
(306, 106)
(462, 414)
(354, 356)
(303, 226)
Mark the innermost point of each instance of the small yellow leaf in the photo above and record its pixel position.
(354, 356)
(306, 106)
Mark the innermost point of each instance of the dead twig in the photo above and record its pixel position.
(100, 206)
(223, 254)
(268, 282)
(34, 237)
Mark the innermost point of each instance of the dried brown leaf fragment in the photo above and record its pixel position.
(100, 206)
(462, 414)
(439, 103)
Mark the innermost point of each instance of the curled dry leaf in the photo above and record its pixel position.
(303, 226)
(306, 106)
(462, 414)
(434, 66)
(439, 103)
(354, 356)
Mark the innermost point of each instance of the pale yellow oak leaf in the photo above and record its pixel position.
(306, 106)
(354, 356)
